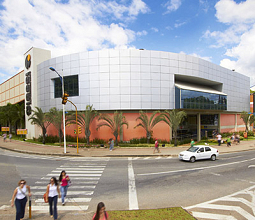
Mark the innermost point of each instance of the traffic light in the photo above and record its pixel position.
(79, 130)
(74, 131)
(64, 98)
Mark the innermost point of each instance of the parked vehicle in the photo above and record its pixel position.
(199, 152)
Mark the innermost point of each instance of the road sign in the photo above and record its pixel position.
(5, 129)
(21, 131)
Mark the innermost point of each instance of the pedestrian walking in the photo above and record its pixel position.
(192, 143)
(5, 136)
(20, 197)
(10, 137)
(156, 146)
(101, 214)
(219, 139)
(52, 194)
(111, 143)
(228, 142)
(63, 179)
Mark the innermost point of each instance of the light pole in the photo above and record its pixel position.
(64, 122)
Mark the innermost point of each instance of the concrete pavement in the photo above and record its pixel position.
(31, 148)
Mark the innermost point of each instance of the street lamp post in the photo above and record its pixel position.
(64, 123)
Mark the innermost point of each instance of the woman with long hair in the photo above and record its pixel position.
(100, 214)
(52, 194)
(63, 179)
(20, 197)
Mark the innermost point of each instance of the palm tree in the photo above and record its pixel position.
(148, 123)
(19, 116)
(40, 118)
(55, 117)
(173, 118)
(84, 119)
(115, 123)
(248, 119)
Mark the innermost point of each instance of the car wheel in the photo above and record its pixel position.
(192, 159)
(213, 157)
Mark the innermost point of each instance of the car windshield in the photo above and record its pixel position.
(193, 149)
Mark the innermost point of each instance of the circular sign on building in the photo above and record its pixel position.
(28, 61)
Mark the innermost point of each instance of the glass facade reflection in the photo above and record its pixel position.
(188, 99)
(71, 86)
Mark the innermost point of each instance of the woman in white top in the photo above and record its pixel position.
(52, 194)
(21, 199)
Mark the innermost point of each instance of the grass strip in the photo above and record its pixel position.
(176, 213)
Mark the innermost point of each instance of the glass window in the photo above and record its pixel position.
(71, 86)
(207, 149)
(199, 100)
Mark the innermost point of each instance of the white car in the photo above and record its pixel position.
(199, 152)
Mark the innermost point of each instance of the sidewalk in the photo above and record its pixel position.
(30, 148)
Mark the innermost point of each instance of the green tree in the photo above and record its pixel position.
(19, 116)
(115, 123)
(7, 115)
(84, 119)
(55, 117)
(173, 118)
(148, 123)
(40, 118)
(248, 119)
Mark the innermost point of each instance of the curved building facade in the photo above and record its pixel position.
(141, 80)
(130, 80)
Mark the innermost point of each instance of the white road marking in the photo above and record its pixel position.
(133, 202)
(79, 171)
(229, 208)
(146, 158)
(216, 174)
(198, 168)
(86, 193)
(61, 208)
(212, 216)
(76, 178)
(72, 175)
(158, 158)
(77, 200)
(235, 197)
(76, 187)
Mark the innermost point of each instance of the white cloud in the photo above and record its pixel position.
(154, 29)
(238, 38)
(141, 33)
(63, 28)
(177, 25)
(228, 11)
(172, 5)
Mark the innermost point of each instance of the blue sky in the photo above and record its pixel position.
(220, 31)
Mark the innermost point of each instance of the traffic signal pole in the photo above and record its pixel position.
(77, 130)
(64, 118)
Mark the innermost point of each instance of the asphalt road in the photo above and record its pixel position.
(127, 183)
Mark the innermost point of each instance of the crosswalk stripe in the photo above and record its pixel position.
(146, 158)
(76, 178)
(79, 171)
(61, 208)
(212, 216)
(67, 200)
(77, 187)
(71, 175)
(158, 158)
(86, 193)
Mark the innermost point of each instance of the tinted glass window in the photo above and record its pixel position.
(207, 149)
(202, 149)
(71, 86)
(201, 100)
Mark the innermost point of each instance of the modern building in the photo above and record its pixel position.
(130, 80)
